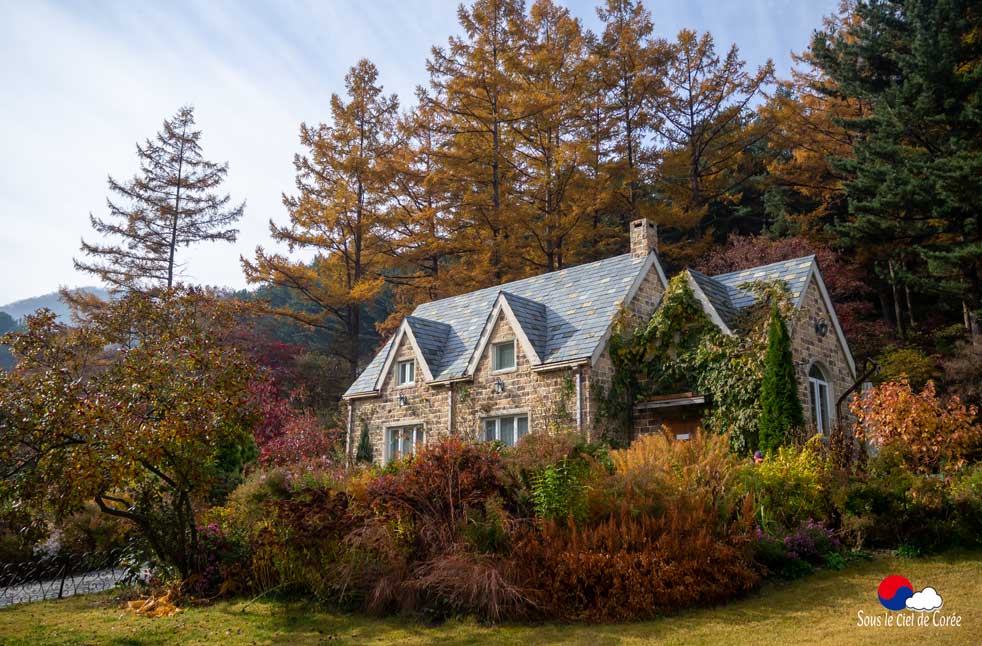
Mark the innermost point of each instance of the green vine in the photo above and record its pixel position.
(680, 349)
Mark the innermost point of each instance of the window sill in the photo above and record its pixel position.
(504, 371)
(406, 385)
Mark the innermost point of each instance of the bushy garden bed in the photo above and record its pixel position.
(559, 529)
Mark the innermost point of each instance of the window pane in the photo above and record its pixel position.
(419, 438)
(504, 356)
(489, 428)
(508, 430)
(813, 401)
(393, 443)
(522, 427)
(823, 390)
(410, 372)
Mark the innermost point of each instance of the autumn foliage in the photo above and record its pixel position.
(932, 433)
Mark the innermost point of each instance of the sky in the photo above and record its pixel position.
(82, 81)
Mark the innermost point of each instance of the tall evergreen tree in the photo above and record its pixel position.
(342, 197)
(364, 454)
(171, 203)
(916, 174)
(780, 407)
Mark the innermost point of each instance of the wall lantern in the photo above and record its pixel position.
(821, 327)
(403, 400)
(499, 386)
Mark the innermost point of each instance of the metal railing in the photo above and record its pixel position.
(59, 576)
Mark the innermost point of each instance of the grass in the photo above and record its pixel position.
(821, 608)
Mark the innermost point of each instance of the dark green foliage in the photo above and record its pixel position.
(780, 407)
(915, 179)
(364, 454)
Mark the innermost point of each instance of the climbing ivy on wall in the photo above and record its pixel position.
(680, 349)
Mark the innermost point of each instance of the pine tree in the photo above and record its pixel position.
(364, 454)
(915, 176)
(338, 212)
(780, 407)
(171, 203)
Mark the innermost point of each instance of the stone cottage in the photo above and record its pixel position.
(529, 356)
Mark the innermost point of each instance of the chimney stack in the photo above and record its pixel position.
(644, 238)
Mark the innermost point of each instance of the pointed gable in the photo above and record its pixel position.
(794, 273)
(715, 300)
(531, 318)
(431, 337)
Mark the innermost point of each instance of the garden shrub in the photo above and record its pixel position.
(559, 490)
(788, 488)
(932, 434)
(800, 551)
(634, 566)
(667, 529)
(657, 470)
(889, 505)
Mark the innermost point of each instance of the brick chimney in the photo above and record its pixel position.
(644, 238)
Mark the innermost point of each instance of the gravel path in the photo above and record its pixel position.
(96, 581)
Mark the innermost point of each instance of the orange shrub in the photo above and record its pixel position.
(931, 433)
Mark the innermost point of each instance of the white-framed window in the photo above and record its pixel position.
(503, 356)
(507, 429)
(820, 400)
(407, 372)
(401, 441)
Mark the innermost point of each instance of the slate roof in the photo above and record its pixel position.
(793, 272)
(719, 296)
(431, 336)
(566, 313)
(533, 318)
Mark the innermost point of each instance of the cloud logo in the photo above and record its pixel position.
(926, 600)
(894, 591)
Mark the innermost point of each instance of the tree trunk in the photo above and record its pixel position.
(896, 300)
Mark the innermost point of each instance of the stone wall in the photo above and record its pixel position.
(808, 347)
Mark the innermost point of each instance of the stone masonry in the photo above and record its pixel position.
(809, 347)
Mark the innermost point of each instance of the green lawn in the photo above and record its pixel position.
(818, 609)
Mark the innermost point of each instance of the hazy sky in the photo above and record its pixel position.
(82, 81)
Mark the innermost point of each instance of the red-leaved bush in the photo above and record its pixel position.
(304, 443)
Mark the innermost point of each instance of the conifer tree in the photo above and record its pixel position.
(551, 75)
(707, 126)
(171, 203)
(915, 178)
(780, 407)
(337, 213)
(474, 95)
(364, 454)
(630, 64)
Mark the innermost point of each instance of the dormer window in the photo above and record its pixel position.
(407, 372)
(503, 356)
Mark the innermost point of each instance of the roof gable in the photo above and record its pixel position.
(532, 319)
